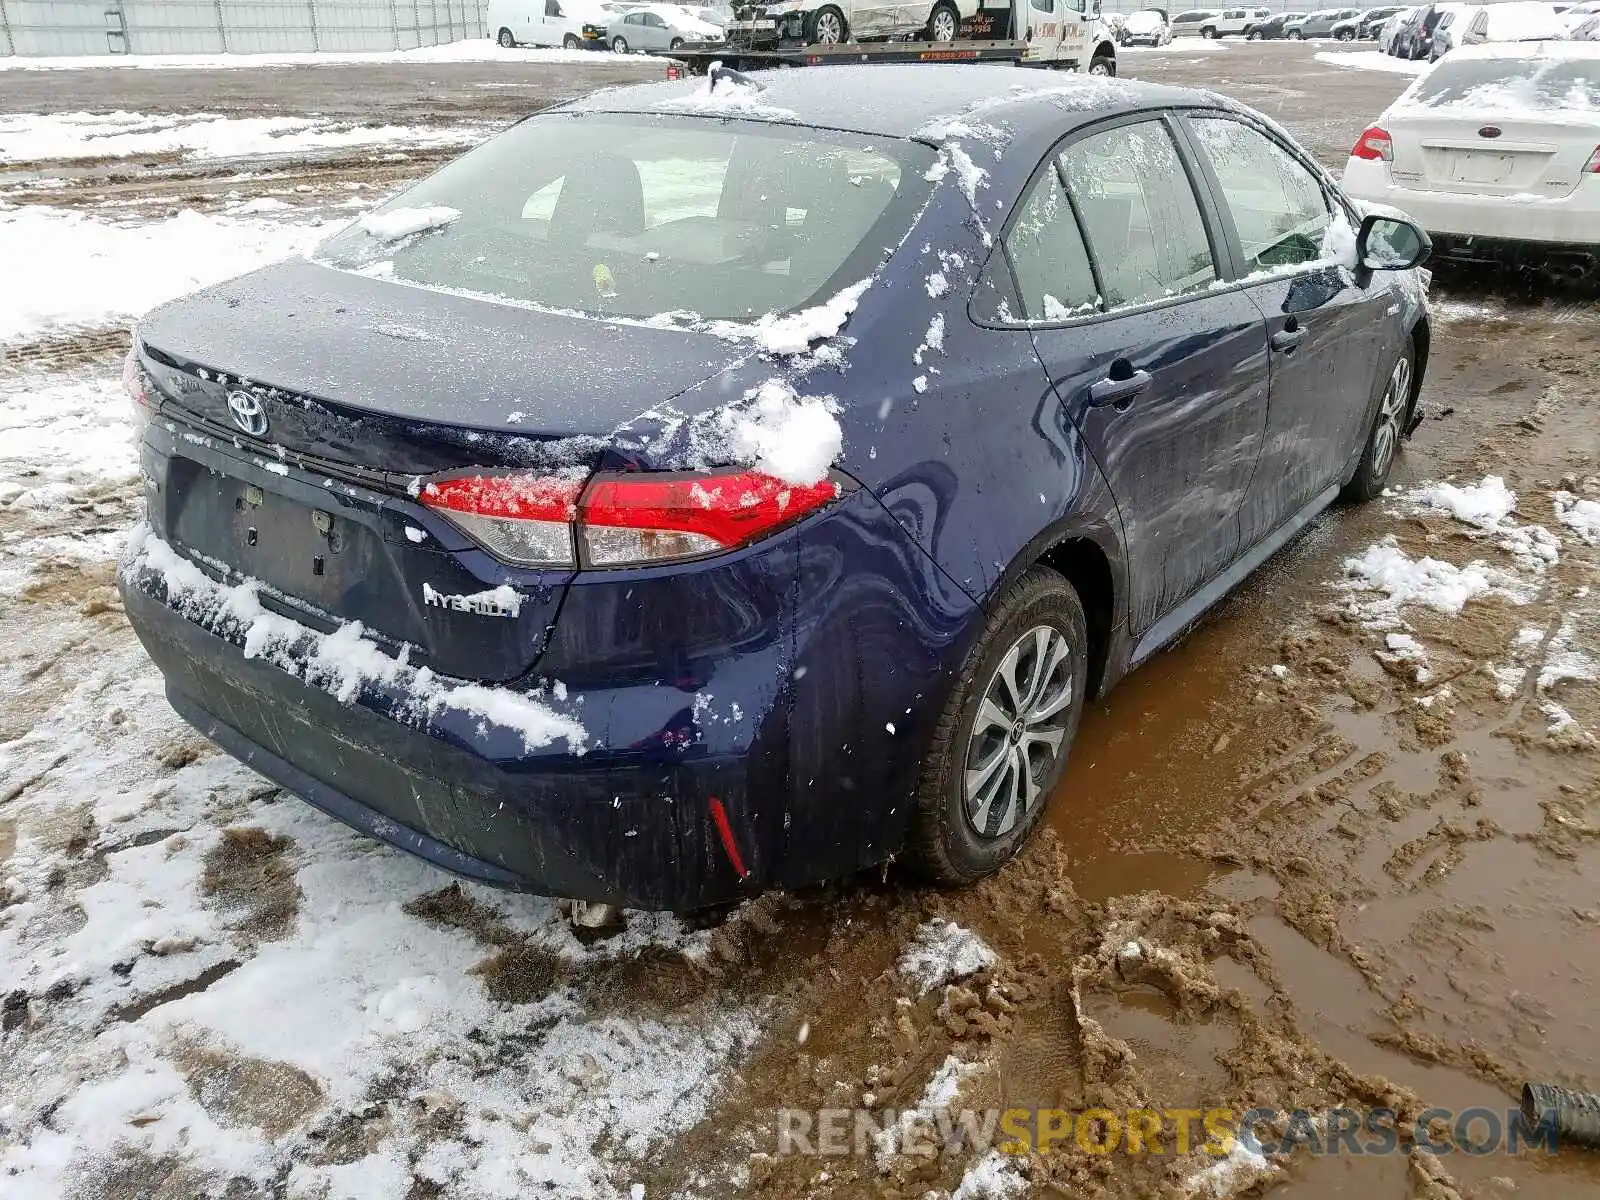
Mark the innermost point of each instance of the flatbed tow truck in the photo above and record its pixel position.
(1063, 34)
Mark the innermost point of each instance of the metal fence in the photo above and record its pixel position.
(51, 27)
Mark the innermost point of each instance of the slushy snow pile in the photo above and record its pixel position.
(1487, 507)
(943, 951)
(84, 272)
(788, 436)
(995, 1176)
(1387, 569)
(1580, 516)
(396, 224)
(35, 137)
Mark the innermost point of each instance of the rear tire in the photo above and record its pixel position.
(1388, 430)
(506, 40)
(1102, 64)
(996, 756)
(675, 45)
(943, 23)
(827, 27)
(1208, 33)
(1296, 36)
(1347, 35)
(619, 45)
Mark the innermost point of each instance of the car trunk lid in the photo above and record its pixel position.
(1492, 156)
(303, 406)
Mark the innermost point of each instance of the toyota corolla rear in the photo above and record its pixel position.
(490, 531)
(1497, 144)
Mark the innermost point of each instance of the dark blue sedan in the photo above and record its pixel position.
(707, 487)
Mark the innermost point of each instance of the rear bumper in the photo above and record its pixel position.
(1572, 220)
(460, 793)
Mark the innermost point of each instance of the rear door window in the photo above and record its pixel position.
(1139, 214)
(1279, 208)
(1054, 278)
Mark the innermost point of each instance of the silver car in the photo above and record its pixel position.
(660, 27)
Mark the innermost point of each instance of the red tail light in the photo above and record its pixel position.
(621, 519)
(133, 380)
(1592, 167)
(1374, 145)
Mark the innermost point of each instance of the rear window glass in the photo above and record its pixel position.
(640, 215)
(1532, 86)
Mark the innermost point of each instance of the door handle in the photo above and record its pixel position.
(1117, 391)
(1287, 339)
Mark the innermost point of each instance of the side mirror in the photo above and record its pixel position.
(1391, 244)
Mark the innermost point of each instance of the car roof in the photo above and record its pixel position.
(907, 99)
(1555, 50)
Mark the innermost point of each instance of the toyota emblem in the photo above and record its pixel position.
(248, 413)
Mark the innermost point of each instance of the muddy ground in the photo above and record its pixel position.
(1343, 885)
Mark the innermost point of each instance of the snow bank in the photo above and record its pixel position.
(82, 271)
(32, 137)
(468, 50)
(943, 951)
(344, 662)
(1372, 60)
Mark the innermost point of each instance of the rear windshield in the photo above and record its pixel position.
(639, 215)
(1532, 87)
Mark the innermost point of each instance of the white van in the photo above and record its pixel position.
(546, 23)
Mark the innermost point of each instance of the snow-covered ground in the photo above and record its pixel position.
(85, 271)
(37, 137)
(1373, 60)
(468, 50)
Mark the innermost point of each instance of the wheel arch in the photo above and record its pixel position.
(1105, 49)
(1090, 557)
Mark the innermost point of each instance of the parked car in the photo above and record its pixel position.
(543, 22)
(1147, 27)
(1390, 28)
(1234, 21)
(1513, 21)
(660, 27)
(1372, 20)
(1187, 24)
(1493, 151)
(830, 22)
(667, 634)
(1274, 27)
(1320, 24)
(1576, 15)
(1587, 30)
(1451, 23)
(1415, 38)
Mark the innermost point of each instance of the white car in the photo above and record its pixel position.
(544, 22)
(660, 27)
(1148, 27)
(836, 21)
(1389, 28)
(1235, 21)
(1513, 21)
(1496, 147)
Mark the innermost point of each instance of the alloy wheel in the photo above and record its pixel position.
(1391, 414)
(830, 28)
(1018, 733)
(944, 25)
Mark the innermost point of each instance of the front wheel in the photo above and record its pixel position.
(570, 42)
(1208, 32)
(1296, 36)
(506, 39)
(1388, 428)
(827, 27)
(619, 45)
(1102, 64)
(1001, 743)
(676, 44)
(943, 23)
(1252, 36)
(1346, 35)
